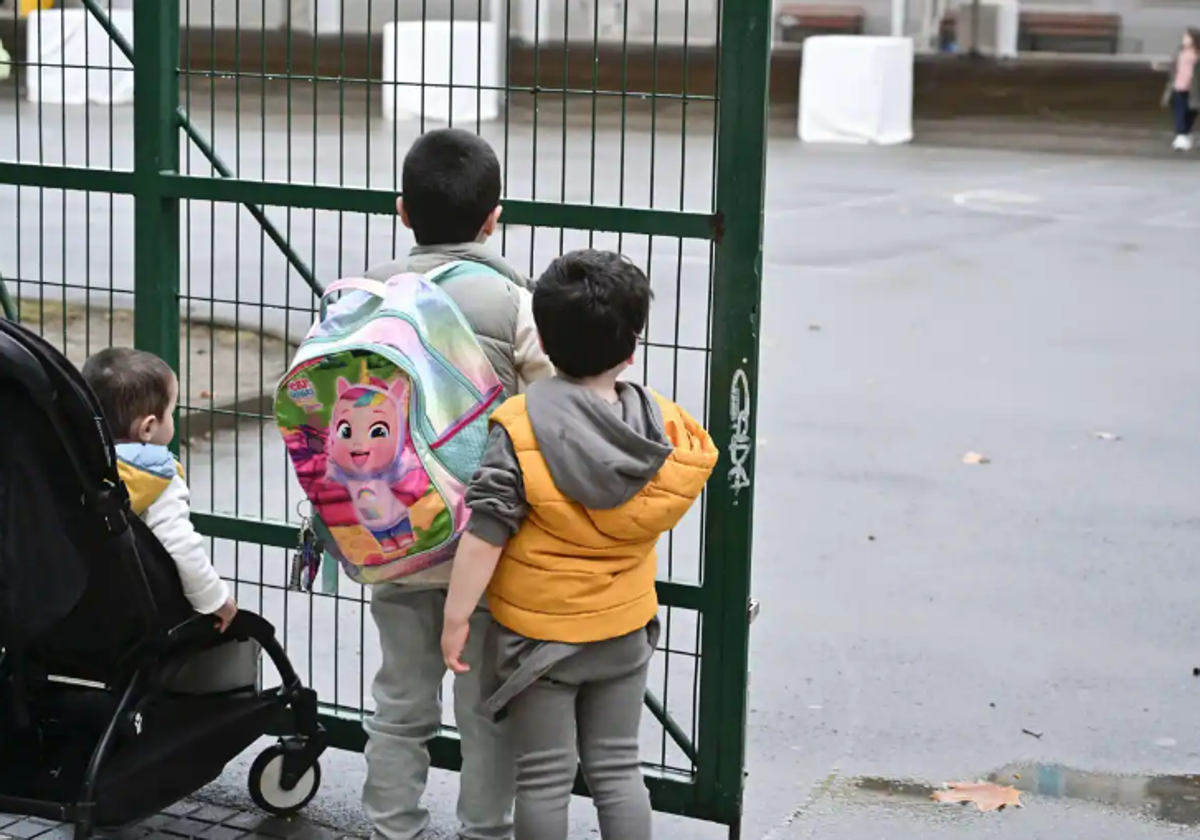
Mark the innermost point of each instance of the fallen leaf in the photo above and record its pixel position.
(976, 458)
(206, 395)
(1107, 436)
(985, 795)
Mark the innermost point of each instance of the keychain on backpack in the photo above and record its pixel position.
(306, 560)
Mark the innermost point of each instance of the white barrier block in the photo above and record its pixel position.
(453, 61)
(856, 89)
(999, 25)
(72, 60)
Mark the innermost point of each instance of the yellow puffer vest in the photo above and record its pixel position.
(577, 575)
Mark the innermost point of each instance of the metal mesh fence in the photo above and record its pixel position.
(290, 144)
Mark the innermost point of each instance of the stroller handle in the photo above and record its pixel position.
(200, 631)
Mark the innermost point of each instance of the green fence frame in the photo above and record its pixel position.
(734, 229)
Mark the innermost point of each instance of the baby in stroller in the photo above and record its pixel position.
(107, 607)
(138, 393)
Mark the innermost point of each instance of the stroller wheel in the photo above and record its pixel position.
(266, 784)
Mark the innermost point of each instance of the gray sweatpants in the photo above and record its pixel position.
(408, 713)
(585, 710)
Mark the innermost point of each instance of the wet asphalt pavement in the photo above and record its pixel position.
(923, 620)
(939, 613)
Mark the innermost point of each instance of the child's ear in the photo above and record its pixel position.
(403, 213)
(145, 429)
(493, 221)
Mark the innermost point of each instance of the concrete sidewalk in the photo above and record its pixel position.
(1082, 137)
(187, 820)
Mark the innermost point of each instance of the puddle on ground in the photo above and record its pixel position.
(1173, 799)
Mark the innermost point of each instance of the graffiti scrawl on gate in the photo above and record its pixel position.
(739, 441)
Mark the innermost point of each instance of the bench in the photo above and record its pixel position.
(1070, 31)
(798, 21)
(1055, 31)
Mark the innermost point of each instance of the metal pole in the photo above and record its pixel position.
(742, 80)
(975, 28)
(499, 16)
(899, 17)
(155, 151)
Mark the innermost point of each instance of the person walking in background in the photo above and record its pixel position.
(1183, 89)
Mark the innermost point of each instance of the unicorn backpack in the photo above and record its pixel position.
(384, 413)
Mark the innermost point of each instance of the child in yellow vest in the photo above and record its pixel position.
(582, 475)
(138, 392)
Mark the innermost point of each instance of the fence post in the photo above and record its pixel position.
(156, 150)
(745, 41)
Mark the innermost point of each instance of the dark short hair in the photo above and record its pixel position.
(450, 184)
(591, 307)
(130, 384)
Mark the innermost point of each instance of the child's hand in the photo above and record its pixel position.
(225, 614)
(454, 639)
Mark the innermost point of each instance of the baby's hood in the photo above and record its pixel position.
(146, 470)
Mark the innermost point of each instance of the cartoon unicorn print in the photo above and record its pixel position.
(368, 435)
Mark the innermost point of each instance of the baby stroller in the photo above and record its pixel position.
(97, 727)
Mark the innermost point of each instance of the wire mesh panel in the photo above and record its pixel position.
(67, 265)
(261, 161)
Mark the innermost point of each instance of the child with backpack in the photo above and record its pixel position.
(385, 414)
(451, 203)
(581, 476)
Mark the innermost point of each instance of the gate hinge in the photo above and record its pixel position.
(717, 222)
(754, 609)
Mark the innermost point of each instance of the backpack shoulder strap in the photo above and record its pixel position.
(458, 268)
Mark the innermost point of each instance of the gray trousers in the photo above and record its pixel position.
(584, 711)
(408, 713)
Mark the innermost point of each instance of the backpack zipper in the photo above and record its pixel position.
(433, 351)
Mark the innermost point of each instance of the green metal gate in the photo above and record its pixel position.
(254, 165)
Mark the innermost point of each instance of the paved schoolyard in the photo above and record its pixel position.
(920, 616)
